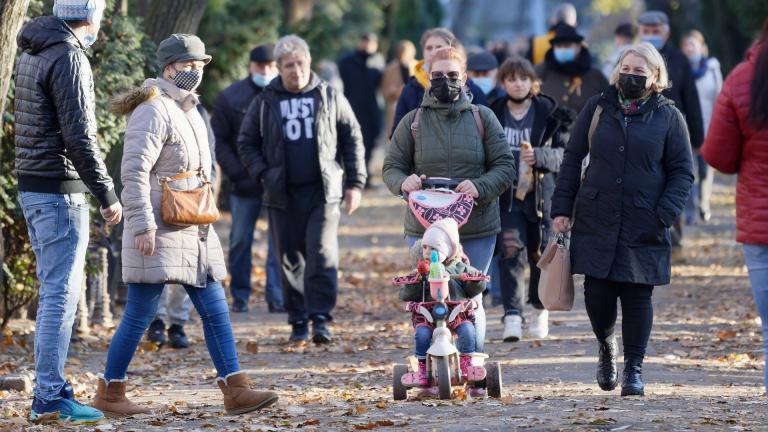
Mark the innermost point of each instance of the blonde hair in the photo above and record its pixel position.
(655, 63)
(696, 35)
(450, 53)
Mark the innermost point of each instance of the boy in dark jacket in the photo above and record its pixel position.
(443, 237)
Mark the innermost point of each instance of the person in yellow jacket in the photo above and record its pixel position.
(565, 13)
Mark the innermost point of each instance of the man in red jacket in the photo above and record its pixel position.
(737, 143)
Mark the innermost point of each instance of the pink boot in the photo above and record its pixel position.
(423, 378)
(468, 371)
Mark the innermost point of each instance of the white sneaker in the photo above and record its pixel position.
(513, 328)
(539, 328)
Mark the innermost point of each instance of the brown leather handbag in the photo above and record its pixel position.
(188, 207)
(556, 282)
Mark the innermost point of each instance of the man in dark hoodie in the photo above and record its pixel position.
(301, 140)
(57, 161)
(246, 197)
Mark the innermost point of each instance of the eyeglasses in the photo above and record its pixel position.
(453, 75)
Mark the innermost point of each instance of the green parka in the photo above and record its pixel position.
(448, 144)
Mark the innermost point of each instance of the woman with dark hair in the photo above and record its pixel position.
(737, 143)
(536, 131)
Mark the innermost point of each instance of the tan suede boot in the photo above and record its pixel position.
(238, 396)
(110, 399)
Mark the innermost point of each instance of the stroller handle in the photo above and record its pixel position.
(439, 183)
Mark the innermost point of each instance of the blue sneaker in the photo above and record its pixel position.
(68, 409)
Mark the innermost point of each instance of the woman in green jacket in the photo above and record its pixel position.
(448, 142)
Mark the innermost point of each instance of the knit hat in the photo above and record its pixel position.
(443, 236)
(79, 10)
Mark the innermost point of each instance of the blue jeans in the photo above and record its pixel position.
(140, 309)
(479, 251)
(756, 257)
(58, 232)
(245, 212)
(524, 240)
(465, 343)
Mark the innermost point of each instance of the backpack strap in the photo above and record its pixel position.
(478, 121)
(416, 122)
(475, 113)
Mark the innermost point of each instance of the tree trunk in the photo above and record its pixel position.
(297, 11)
(12, 14)
(166, 17)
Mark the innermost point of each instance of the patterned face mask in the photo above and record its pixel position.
(188, 80)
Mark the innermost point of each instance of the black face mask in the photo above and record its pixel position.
(445, 90)
(632, 86)
(521, 100)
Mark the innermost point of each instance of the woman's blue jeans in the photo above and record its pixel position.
(479, 251)
(756, 257)
(210, 303)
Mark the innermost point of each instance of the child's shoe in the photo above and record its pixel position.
(423, 376)
(468, 371)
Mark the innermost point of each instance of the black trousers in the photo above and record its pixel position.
(305, 236)
(520, 244)
(600, 297)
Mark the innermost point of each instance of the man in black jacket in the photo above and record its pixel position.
(361, 72)
(245, 199)
(300, 138)
(58, 160)
(654, 29)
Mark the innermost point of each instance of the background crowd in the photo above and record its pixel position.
(293, 139)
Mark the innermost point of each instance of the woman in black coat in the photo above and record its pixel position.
(636, 184)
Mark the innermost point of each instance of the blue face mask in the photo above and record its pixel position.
(695, 60)
(565, 55)
(654, 40)
(262, 80)
(485, 84)
(89, 40)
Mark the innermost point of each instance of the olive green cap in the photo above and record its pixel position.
(181, 47)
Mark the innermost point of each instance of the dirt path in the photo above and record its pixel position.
(703, 372)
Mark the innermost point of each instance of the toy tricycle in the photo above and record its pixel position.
(442, 361)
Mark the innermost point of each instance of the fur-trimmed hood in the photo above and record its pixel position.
(124, 103)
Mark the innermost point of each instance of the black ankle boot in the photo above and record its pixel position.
(607, 373)
(632, 384)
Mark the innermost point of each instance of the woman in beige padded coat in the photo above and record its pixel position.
(166, 136)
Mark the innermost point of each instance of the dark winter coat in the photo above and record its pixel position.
(548, 138)
(56, 146)
(458, 290)
(683, 92)
(261, 147)
(735, 146)
(361, 82)
(448, 144)
(229, 111)
(636, 185)
(571, 84)
(413, 94)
